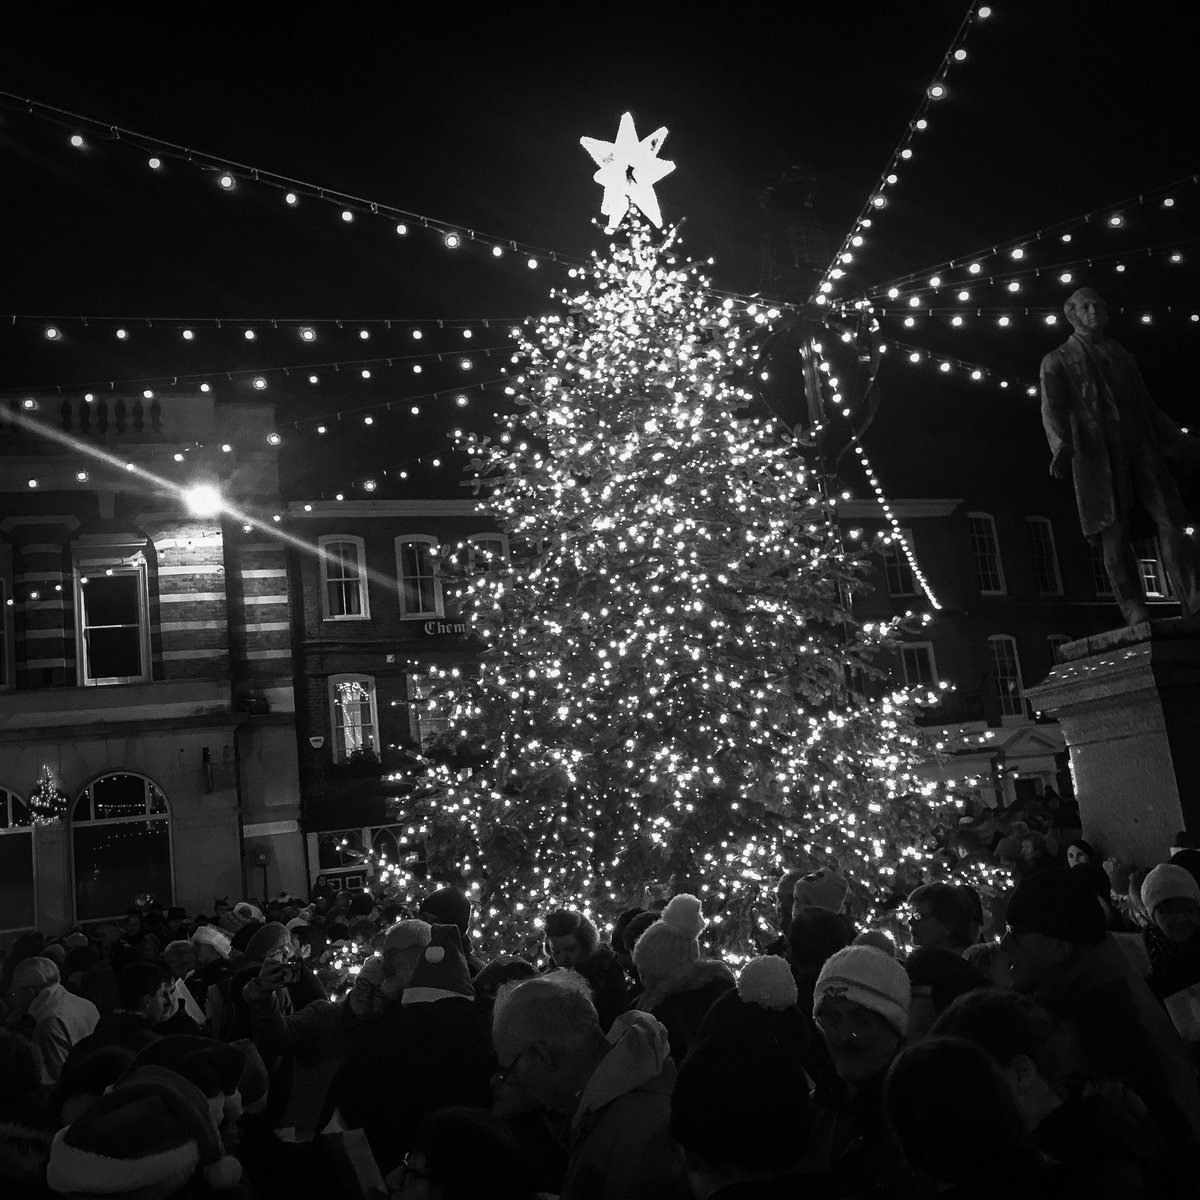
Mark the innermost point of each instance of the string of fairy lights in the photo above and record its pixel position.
(877, 199)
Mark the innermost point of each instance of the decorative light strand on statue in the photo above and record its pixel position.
(901, 156)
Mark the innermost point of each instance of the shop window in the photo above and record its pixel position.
(355, 719)
(121, 846)
(18, 905)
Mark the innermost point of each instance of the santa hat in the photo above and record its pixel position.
(1168, 881)
(246, 911)
(821, 889)
(728, 1105)
(441, 971)
(405, 934)
(672, 941)
(151, 1131)
(870, 977)
(213, 1067)
(210, 935)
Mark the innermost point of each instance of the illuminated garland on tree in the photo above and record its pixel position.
(47, 802)
(673, 690)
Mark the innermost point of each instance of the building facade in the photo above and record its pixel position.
(374, 609)
(145, 659)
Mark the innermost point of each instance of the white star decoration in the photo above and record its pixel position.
(629, 169)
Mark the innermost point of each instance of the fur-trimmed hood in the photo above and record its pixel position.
(690, 977)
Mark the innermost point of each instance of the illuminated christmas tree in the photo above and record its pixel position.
(673, 690)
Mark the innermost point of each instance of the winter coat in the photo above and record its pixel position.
(322, 1030)
(1109, 1025)
(850, 1141)
(60, 1019)
(618, 1138)
(1102, 413)
(428, 1055)
(682, 998)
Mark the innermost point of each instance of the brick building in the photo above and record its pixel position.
(372, 611)
(145, 659)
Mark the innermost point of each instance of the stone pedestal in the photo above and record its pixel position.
(1128, 702)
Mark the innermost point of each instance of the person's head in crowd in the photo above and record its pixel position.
(1188, 857)
(1171, 896)
(936, 1095)
(823, 889)
(362, 904)
(547, 1037)
(402, 947)
(860, 1005)
(937, 976)
(461, 1154)
(366, 997)
(106, 936)
(571, 938)
(1079, 851)
(990, 960)
(1018, 1035)
(671, 942)
(943, 917)
(964, 844)
(814, 936)
(636, 927)
(1008, 851)
(211, 944)
(446, 906)
(268, 943)
(78, 960)
(180, 957)
(31, 977)
(145, 989)
(133, 925)
(1033, 847)
(618, 935)
(740, 1110)
(91, 1067)
(876, 938)
(784, 893)
(20, 1071)
(149, 948)
(308, 941)
(496, 974)
(56, 952)
(1053, 916)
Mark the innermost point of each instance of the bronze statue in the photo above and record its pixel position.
(1104, 428)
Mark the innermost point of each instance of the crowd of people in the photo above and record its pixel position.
(1041, 1041)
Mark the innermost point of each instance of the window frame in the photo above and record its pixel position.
(1101, 584)
(927, 647)
(7, 796)
(1051, 547)
(896, 551)
(147, 818)
(474, 566)
(339, 754)
(416, 701)
(85, 568)
(1163, 591)
(364, 591)
(439, 609)
(995, 639)
(1002, 590)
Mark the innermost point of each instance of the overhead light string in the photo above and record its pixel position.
(877, 199)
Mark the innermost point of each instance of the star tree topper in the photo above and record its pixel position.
(629, 169)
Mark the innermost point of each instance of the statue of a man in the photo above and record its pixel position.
(1104, 428)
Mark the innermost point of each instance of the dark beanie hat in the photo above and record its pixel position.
(362, 905)
(730, 1105)
(450, 906)
(241, 938)
(265, 939)
(1060, 903)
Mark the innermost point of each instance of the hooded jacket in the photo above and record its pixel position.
(618, 1138)
(681, 1000)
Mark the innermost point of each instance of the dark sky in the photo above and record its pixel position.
(474, 120)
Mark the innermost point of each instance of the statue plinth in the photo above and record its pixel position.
(1128, 702)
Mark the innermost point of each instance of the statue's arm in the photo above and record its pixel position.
(1056, 415)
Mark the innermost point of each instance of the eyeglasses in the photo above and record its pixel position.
(505, 1072)
(407, 1169)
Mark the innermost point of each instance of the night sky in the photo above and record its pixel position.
(473, 121)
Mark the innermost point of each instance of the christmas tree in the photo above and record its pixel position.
(673, 691)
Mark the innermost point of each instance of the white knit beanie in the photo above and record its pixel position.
(671, 941)
(870, 977)
(1169, 882)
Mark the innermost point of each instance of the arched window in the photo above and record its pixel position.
(121, 845)
(17, 902)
